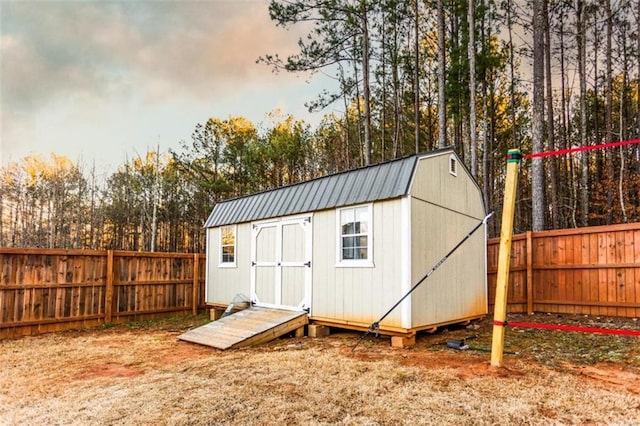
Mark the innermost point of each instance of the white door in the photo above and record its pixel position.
(281, 264)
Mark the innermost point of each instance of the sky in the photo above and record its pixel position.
(105, 81)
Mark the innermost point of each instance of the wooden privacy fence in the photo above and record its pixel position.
(594, 271)
(51, 290)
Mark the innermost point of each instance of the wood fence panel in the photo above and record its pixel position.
(49, 290)
(45, 290)
(592, 271)
(517, 290)
(149, 284)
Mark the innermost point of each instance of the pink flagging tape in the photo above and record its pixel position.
(581, 148)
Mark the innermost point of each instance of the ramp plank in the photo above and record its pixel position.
(251, 326)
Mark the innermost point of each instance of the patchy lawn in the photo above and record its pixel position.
(141, 374)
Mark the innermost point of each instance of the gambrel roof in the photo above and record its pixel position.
(367, 184)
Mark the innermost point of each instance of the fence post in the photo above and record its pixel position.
(196, 283)
(529, 273)
(108, 296)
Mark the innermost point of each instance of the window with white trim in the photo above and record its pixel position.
(228, 245)
(355, 235)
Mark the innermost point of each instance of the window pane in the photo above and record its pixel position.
(362, 218)
(228, 254)
(348, 228)
(348, 242)
(228, 237)
(346, 220)
(362, 253)
(349, 253)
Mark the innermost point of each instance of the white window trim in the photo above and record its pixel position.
(233, 264)
(351, 263)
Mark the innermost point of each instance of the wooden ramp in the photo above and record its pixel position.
(251, 326)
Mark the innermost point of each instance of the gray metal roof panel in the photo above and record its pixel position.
(306, 197)
(378, 183)
(292, 200)
(261, 205)
(367, 184)
(358, 188)
(318, 190)
(406, 176)
(249, 206)
(298, 196)
(339, 191)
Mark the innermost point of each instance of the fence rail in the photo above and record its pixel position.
(593, 271)
(51, 290)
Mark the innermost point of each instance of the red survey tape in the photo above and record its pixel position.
(581, 148)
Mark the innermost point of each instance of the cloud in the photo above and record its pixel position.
(50, 53)
(158, 50)
(100, 78)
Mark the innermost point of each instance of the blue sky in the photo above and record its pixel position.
(107, 80)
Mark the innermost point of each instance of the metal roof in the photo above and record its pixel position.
(372, 183)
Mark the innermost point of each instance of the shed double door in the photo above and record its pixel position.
(281, 264)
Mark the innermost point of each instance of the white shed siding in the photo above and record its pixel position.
(457, 289)
(358, 295)
(223, 284)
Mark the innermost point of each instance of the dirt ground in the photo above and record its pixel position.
(141, 374)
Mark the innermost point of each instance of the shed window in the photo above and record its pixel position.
(228, 245)
(355, 234)
(453, 165)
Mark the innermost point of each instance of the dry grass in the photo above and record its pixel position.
(143, 375)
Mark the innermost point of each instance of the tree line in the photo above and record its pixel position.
(158, 201)
(482, 76)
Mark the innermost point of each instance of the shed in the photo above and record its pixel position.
(345, 247)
